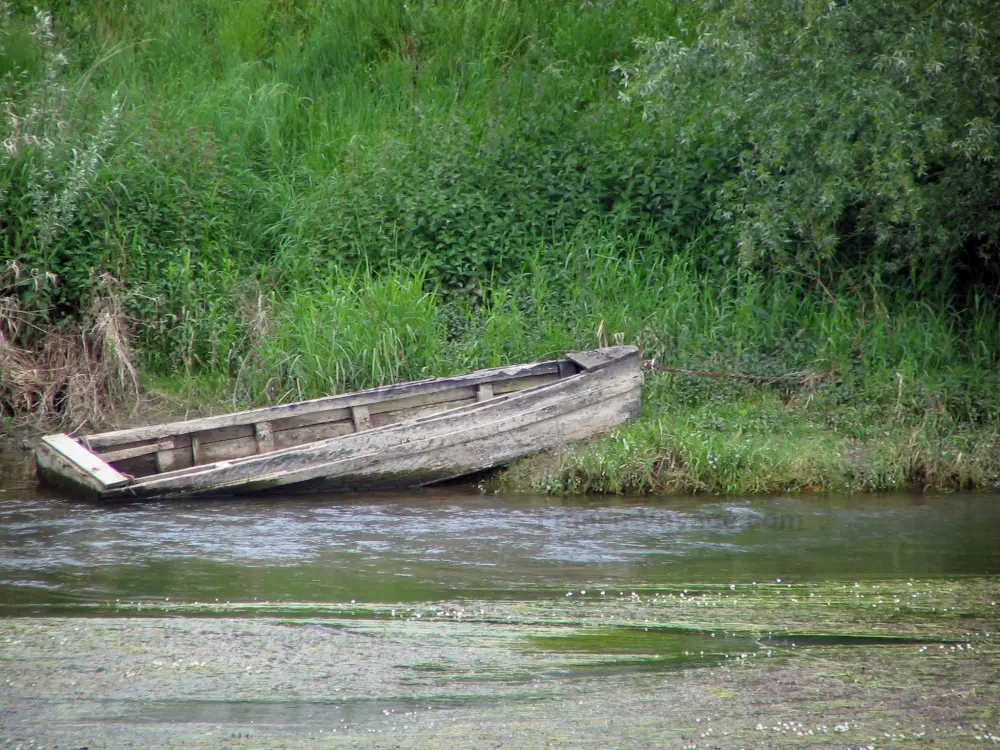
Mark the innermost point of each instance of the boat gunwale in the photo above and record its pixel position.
(297, 408)
(388, 429)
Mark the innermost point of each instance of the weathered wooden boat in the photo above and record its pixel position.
(396, 436)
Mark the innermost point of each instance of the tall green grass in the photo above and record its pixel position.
(270, 139)
(360, 330)
(303, 198)
(884, 393)
(346, 333)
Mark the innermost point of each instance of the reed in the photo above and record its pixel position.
(344, 333)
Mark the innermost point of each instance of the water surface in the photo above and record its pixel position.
(446, 544)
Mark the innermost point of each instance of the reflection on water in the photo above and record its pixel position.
(431, 545)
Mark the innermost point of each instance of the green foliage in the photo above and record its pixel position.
(473, 209)
(697, 436)
(262, 141)
(20, 53)
(866, 132)
(344, 333)
(53, 148)
(301, 198)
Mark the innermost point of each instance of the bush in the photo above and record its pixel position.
(53, 147)
(866, 132)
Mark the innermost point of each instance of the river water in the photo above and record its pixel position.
(59, 557)
(445, 618)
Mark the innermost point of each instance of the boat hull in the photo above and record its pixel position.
(602, 391)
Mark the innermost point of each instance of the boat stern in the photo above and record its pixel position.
(65, 463)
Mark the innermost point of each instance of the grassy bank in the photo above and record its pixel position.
(255, 202)
(742, 441)
(855, 391)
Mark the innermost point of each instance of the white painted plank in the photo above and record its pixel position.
(89, 463)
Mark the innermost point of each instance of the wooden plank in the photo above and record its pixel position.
(206, 454)
(306, 420)
(166, 460)
(404, 404)
(89, 464)
(56, 470)
(388, 418)
(182, 451)
(597, 359)
(484, 392)
(361, 398)
(523, 384)
(225, 450)
(264, 436)
(229, 443)
(423, 399)
(220, 435)
(361, 417)
(311, 433)
(381, 413)
(137, 450)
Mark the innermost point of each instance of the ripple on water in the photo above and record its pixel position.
(445, 544)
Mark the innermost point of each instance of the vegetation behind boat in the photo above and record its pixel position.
(286, 201)
(850, 418)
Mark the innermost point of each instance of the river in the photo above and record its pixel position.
(366, 559)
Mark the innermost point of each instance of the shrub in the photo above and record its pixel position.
(867, 132)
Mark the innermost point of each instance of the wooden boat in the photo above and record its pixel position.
(396, 436)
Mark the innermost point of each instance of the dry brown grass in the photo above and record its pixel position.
(70, 376)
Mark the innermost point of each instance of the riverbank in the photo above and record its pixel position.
(747, 440)
(697, 435)
(862, 391)
(842, 665)
(285, 202)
